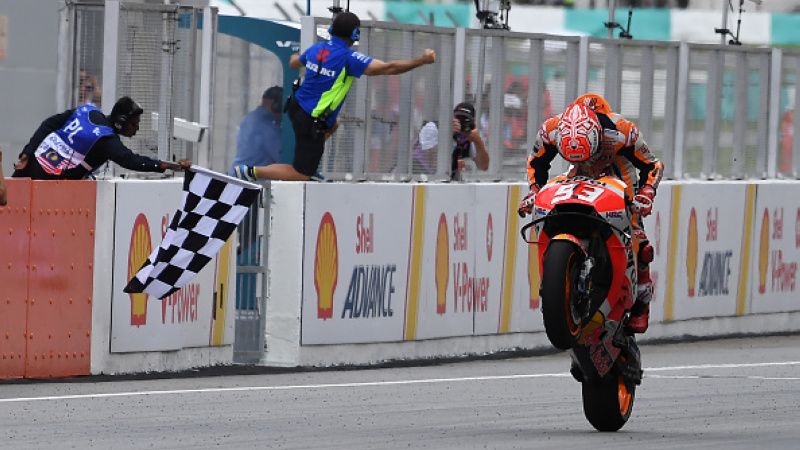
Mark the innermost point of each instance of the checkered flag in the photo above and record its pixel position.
(213, 204)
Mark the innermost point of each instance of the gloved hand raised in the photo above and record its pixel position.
(526, 205)
(643, 200)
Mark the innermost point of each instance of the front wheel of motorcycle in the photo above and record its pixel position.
(607, 403)
(560, 270)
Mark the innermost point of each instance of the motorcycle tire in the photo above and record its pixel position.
(561, 267)
(608, 403)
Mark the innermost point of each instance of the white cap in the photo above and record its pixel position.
(428, 136)
(512, 101)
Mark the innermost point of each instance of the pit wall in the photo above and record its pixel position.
(365, 273)
(68, 249)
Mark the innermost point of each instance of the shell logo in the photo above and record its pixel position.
(489, 237)
(534, 280)
(326, 266)
(691, 252)
(140, 248)
(763, 253)
(442, 264)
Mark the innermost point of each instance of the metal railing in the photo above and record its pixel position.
(152, 53)
(708, 111)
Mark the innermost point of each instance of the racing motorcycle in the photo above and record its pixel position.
(587, 262)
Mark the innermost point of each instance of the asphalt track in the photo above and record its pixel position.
(724, 394)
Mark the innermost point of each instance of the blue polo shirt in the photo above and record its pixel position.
(258, 142)
(331, 68)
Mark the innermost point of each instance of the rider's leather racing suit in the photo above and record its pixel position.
(626, 153)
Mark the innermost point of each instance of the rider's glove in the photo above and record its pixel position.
(643, 201)
(526, 205)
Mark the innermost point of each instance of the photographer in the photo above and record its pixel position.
(469, 145)
(468, 142)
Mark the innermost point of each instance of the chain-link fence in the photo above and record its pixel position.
(243, 72)
(789, 147)
(707, 111)
(155, 57)
(87, 72)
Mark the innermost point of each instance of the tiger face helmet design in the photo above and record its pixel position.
(579, 131)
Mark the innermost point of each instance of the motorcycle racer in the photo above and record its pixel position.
(596, 141)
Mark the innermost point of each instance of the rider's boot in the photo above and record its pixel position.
(640, 312)
(640, 318)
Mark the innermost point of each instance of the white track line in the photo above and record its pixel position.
(398, 382)
(723, 366)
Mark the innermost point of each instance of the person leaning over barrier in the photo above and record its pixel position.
(3, 190)
(331, 68)
(72, 144)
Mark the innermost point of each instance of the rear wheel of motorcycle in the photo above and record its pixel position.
(561, 267)
(608, 403)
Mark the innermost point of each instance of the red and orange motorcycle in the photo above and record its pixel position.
(587, 260)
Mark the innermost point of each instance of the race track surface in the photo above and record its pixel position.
(725, 394)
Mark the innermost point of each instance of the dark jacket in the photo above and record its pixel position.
(105, 149)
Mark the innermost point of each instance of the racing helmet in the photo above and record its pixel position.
(579, 131)
(595, 102)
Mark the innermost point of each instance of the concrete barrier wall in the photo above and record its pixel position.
(68, 249)
(363, 273)
(135, 332)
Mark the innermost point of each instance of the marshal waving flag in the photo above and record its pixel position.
(212, 207)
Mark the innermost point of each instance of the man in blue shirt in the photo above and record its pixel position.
(258, 142)
(331, 68)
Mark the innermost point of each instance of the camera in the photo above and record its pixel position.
(467, 123)
(465, 113)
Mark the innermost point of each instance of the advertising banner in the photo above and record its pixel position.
(707, 262)
(776, 249)
(479, 285)
(198, 315)
(451, 289)
(355, 263)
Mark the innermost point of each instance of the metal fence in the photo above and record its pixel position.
(243, 72)
(149, 52)
(708, 111)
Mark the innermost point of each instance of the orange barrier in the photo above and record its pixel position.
(15, 221)
(56, 250)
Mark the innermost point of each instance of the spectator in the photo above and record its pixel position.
(258, 142)
(72, 144)
(89, 89)
(425, 148)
